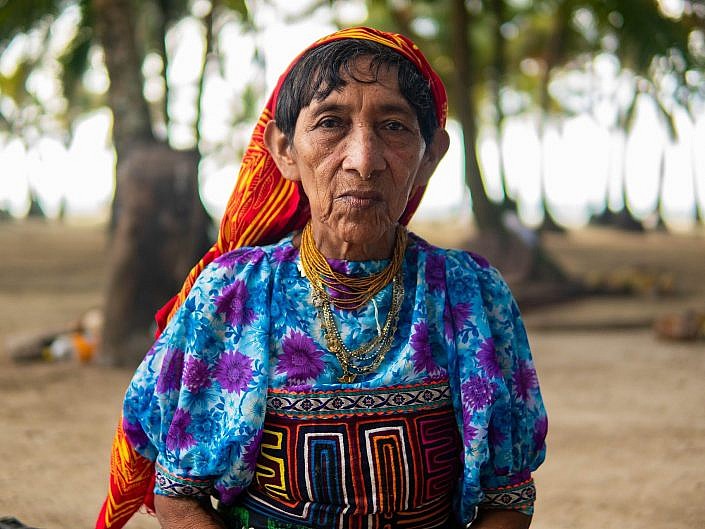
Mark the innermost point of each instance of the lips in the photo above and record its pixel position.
(360, 199)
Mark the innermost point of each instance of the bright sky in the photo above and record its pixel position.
(582, 156)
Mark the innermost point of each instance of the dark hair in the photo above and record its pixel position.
(322, 70)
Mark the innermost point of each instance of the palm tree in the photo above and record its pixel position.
(159, 226)
(464, 47)
(649, 45)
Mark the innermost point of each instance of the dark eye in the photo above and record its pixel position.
(329, 123)
(394, 126)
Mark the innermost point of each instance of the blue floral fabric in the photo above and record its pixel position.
(197, 403)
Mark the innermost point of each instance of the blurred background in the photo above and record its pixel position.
(576, 109)
(577, 165)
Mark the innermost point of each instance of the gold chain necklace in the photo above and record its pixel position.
(369, 356)
(354, 292)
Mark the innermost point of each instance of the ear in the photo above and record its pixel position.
(433, 154)
(282, 151)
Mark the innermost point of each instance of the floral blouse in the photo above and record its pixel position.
(197, 403)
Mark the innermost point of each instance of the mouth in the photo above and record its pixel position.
(360, 199)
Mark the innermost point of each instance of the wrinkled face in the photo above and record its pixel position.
(358, 154)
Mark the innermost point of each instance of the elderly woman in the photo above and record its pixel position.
(322, 366)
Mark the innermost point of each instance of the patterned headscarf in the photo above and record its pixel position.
(262, 209)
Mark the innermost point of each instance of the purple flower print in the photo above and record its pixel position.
(488, 359)
(481, 261)
(196, 375)
(285, 254)
(234, 372)
(525, 380)
(461, 313)
(422, 357)
(456, 316)
(477, 393)
(301, 360)
(251, 452)
(178, 438)
(135, 434)
(447, 322)
(435, 272)
(540, 431)
(170, 374)
(339, 291)
(339, 265)
(228, 260)
(233, 303)
(227, 495)
(469, 431)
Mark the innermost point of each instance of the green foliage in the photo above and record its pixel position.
(74, 60)
(20, 16)
(155, 18)
(544, 37)
(237, 6)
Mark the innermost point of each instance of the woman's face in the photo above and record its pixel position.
(358, 154)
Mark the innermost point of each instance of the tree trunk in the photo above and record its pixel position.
(159, 236)
(551, 54)
(159, 222)
(115, 28)
(487, 214)
(699, 213)
(163, 6)
(623, 219)
(516, 254)
(658, 210)
(499, 73)
(207, 50)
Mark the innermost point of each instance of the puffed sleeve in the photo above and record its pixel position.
(496, 392)
(196, 403)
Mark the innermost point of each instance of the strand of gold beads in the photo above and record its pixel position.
(369, 356)
(355, 291)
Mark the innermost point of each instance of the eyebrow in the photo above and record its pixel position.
(385, 108)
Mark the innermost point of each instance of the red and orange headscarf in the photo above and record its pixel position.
(262, 209)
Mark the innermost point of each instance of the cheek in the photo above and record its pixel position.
(404, 170)
(318, 183)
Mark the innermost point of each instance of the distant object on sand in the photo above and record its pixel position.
(78, 340)
(686, 325)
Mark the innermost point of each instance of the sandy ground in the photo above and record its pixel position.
(627, 410)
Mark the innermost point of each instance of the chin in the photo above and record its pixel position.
(364, 231)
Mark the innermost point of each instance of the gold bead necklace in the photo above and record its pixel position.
(370, 355)
(354, 292)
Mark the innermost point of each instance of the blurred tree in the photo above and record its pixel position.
(466, 44)
(486, 50)
(24, 115)
(159, 226)
(159, 223)
(657, 53)
(493, 48)
(444, 30)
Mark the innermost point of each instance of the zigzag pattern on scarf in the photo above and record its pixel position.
(131, 483)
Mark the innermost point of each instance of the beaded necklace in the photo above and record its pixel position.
(368, 356)
(354, 292)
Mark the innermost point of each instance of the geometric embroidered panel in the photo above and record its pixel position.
(518, 496)
(359, 401)
(358, 471)
(171, 485)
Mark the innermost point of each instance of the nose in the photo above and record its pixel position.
(364, 152)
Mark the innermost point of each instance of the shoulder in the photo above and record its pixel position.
(457, 261)
(243, 274)
(249, 260)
